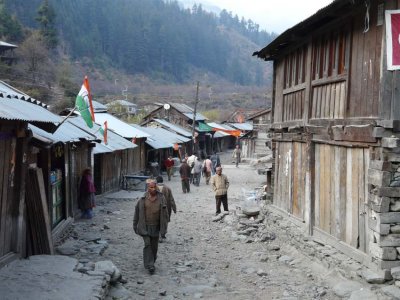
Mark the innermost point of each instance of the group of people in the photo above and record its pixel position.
(153, 210)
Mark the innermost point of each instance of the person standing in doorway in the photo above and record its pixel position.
(150, 221)
(86, 200)
(184, 171)
(220, 185)
(169, 165)
(236, 155)
(169, 198)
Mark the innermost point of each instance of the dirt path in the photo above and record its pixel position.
(206, 259)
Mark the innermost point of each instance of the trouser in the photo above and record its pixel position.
(237, 160)
(185, 186)
(196, 178)
(208, 177)
(169, 173)
(150, 250)
(221, 199)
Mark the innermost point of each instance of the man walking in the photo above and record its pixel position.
(207, 167)
(150, 221)
(169, 198)
(184, 171)
(215, 162)
(236, 155)
(169, 165)
(220, 185)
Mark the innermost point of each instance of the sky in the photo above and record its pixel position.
(272, 15)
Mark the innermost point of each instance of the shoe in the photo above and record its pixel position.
(152, 270)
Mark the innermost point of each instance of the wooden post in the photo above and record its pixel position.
(194, 118)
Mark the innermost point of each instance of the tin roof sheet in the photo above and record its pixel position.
(162, 138)
(173, 127)
(242, 126)
(67, 132)
(119, 127)
(115, 141)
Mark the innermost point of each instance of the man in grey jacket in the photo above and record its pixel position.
(220, 185)
(150, 221)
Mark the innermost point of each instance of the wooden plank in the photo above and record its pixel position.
(354, 198)
(323, 102)
(342, 102)
(363, 231)
(308, 94)
(277, 175)
(317, 192)
(356, 69)
(337, 174)
(349, 193)
(379, 36)
(3, 200)
(6, 197)
(318, 100)
(13, 197)
(323, 190)
(342, 192)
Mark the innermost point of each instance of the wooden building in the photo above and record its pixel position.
(16, 111)
(182, 115)
(335, 127)
(259, 141)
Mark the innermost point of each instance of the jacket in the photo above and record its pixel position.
(139, 222)
(220, 184)
(169, 198)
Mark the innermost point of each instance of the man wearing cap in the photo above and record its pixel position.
(220, 185)
(150, 221)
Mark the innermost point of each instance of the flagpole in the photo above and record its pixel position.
(70, 113)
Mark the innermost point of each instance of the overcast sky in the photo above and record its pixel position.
(272, 15)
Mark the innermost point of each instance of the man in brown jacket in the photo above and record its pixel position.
(220, 185)
(166, 191)
(150, 221)
(184, 171)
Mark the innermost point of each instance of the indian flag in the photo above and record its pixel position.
(103, 131)
(84, 104)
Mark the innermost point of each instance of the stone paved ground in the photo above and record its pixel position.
(214, 260)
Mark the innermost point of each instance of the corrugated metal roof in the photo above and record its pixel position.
(119, 127)
(173, 127)
(220, 126)
(67, 132)
(220, 134)
(162, 138)
(115, 141)
(99, 107)
(242, 126)
(188, 111)
(10, 90)
(4, 44)
(21, 110)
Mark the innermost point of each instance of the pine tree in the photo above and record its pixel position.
(46, 19)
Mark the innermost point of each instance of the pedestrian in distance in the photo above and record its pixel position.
(86, 198)
(236, 155)
(215, 162)
(207, 167)
(190, 161)
(184, 172)
(169, 165)
(150, 221)
(169, 198)
(197, 171)
(220, 185)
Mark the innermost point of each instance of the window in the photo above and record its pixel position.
(329, 55)
(295, 67)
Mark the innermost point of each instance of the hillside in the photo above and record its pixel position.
(163, 46)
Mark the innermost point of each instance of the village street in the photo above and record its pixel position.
(217, 260)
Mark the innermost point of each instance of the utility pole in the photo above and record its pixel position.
(194, 117)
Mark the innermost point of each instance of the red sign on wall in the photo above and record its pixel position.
(392, 18)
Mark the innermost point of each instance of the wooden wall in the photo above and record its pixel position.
(7, 168)
(341, 193)
(328, 101)
(365, 67)
(290, 174)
